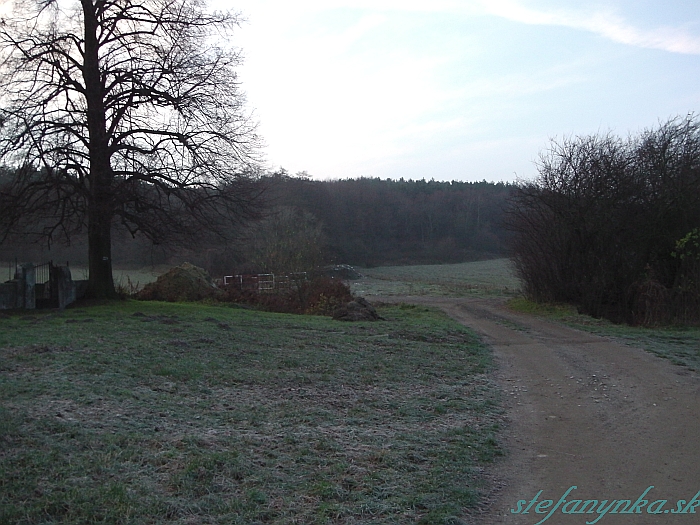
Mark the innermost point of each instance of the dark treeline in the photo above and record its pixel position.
(613, 225)
(373, 222)
(364, 222)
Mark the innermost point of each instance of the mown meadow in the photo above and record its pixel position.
(493, 277)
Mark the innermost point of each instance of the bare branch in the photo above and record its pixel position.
(127, 111)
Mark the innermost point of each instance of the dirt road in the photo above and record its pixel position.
(584, 411)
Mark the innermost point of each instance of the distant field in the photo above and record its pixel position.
(493, 277)
(122, 276)
(138, 278)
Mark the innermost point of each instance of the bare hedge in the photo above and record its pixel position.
(612, 225)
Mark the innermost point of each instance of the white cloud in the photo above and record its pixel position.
(382, 87)
(604, 23)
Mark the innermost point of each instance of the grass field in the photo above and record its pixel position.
(156, 413)
(493, 277)
(185, 413)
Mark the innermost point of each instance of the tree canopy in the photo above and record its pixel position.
(122, 112)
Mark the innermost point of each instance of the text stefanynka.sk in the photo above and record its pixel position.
(591, 507)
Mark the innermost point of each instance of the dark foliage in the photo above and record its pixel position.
(323, 295)
(372, 222)
(604, 224)
(363, 222)
(319, 296)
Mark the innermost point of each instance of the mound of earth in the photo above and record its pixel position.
(356, 310)
(186, 282)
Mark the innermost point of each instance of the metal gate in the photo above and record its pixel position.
(45, 289)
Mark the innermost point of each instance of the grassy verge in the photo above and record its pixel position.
(681, 345)
(173, 413)
(492, 277)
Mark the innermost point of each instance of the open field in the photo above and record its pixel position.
(184, 413)
(493, 277)
(480, 278)
(137, 412)
(128, 279)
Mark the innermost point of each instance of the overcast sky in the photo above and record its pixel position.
(459, 89)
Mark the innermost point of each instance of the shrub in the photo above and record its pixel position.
(319, 296)
(322, 295)
(599, 226)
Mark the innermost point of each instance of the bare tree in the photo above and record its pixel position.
(288, 240)
(122, 112)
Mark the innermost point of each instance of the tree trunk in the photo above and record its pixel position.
(100, 201)
(101, 283)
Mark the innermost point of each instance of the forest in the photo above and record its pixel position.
(363, 222)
